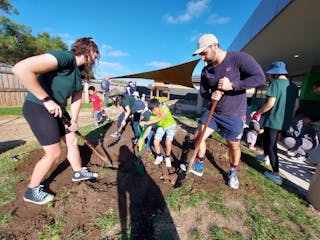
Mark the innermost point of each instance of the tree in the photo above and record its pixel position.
(17, 42)
(7, 7)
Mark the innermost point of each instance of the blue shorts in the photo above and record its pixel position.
(170, 131)
(230, 128)
(97, 115)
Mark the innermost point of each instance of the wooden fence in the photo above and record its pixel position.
(12, 93)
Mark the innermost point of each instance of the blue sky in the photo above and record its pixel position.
(137, 35)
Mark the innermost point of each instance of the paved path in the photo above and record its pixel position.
(298, 173)
(15, 131)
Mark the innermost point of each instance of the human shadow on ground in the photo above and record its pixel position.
(142, 208)
(7, 145)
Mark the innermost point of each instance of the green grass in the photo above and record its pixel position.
(10, 111)
(52, 231)
(268, 211)
(18, 110)
(8, 180)
(223, 234)
(107, 221)
(185, 196)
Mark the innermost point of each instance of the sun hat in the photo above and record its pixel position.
(205, 41)
(277, 68)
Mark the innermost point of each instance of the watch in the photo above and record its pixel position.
(46, 99)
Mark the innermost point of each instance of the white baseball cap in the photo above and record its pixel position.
(205, 41)
(135, 93)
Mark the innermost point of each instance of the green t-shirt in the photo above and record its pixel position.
(286, 93)
(128, 101)
(166, 122)
(61, 83)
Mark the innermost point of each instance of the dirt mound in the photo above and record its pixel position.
(138, 199)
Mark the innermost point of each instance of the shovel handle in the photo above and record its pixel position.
(68, 123)
(199, 139)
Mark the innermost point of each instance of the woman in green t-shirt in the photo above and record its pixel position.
(281, 105)
(52, 78)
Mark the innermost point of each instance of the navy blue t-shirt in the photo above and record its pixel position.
(244, 73)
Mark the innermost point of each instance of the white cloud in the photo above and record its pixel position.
(107, 50)
(117, 53)
(158, 64)
(215, 19)
(112, 66)
(193, 9)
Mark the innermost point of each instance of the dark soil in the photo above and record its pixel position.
(137, 199)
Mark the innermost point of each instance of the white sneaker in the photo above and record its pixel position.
(291, 153)
(116, 135)
(299, 157)
(158, 160)
(263, 158)
(233, 180)
(168, 161)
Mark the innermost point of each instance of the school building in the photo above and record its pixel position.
(288, 31)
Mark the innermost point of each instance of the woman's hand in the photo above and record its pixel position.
(53, 108)
(73, 126)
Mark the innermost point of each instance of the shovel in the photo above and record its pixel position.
(197, 146)
(139, 166)
(98, 153)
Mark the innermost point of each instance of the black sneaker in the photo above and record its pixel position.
(83, 174)
(37, 195)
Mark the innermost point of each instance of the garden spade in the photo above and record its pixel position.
(186, 169)
(98, 153)
(139, 165)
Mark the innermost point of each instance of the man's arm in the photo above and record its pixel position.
(252, 73)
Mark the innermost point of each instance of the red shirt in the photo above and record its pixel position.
(95, 99)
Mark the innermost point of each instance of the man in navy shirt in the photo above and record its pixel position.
(225, 78)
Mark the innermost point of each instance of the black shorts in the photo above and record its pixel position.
(46, 128)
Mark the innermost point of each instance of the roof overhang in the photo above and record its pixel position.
(293, 36)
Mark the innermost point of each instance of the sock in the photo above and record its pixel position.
(198, 159)
(159, 154)
(233, 168)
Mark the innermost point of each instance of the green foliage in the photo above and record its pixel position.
(17, 42)
(185, 196)
(195, 234)
(8, 180)
(10, 111)
(18, 110)
(7, 7)
(107, 221)
(53, 231)
(5, 217)
(225, 234)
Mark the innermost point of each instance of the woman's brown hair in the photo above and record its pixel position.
(85, 46)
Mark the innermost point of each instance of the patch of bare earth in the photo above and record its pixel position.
(139, 201)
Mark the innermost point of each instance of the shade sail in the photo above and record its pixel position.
(179, 74)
